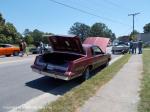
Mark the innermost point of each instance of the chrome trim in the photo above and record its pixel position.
(50, 75)
(54, 75)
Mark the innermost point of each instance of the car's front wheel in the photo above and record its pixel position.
(8, 55)
(16, 53)
(106, 64)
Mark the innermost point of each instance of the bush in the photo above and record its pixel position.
(146, 45)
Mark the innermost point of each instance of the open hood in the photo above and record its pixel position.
(65, 43)
(102, 42)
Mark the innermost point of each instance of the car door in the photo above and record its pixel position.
(8, 49)
(99, 57)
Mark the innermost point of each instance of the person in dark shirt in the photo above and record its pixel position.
(41, 47)
(130, 46)
(140, 44)
(134, 47)
(25, 48)
(22, 46)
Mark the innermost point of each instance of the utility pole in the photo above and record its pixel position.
(133, 15)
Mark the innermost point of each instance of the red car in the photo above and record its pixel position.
(70, 58)
(8, 50)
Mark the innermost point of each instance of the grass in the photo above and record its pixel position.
(72, 100)
(144, 105)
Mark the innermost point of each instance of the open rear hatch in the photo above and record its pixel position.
(56, 64)
(65, 43)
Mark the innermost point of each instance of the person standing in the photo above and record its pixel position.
(130, 46)
(25, 48)
(140, 43)
(41, 47)
(134, 47)
(21, 47)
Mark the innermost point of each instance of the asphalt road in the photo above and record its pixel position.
(18, 83)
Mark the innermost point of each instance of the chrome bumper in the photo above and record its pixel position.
(51, 75)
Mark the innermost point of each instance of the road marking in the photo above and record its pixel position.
(15, 61)
(115, 59)
(36, 103)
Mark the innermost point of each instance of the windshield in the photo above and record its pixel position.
(121, 43)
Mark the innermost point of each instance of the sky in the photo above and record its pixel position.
(51, 17)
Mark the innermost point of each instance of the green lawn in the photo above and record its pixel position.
(76, 97)
(144, 105)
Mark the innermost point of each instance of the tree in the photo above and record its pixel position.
(124, 38)
(2, 38)
(29, 39)
(11, 32)
(2, 20)
(37, 36)
(146, 28)
(45, 39)
(101, 30)
(97, 30)
(133, 35)
(26, 32)
(27, 36)
(8, 32)
(80, 29)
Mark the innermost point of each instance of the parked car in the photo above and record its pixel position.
(70, 58)
(36, 50)
(8, 50)
(120, 47)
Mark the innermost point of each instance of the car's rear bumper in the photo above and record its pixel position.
(55, 75)
(51, 75)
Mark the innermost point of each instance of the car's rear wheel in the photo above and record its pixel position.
(16, 53)
(86, 74)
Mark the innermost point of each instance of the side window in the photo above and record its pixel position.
(96, 50)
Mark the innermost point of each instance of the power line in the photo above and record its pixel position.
(86, 12)
(89, 8)
(116, 5)
(112, 3)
